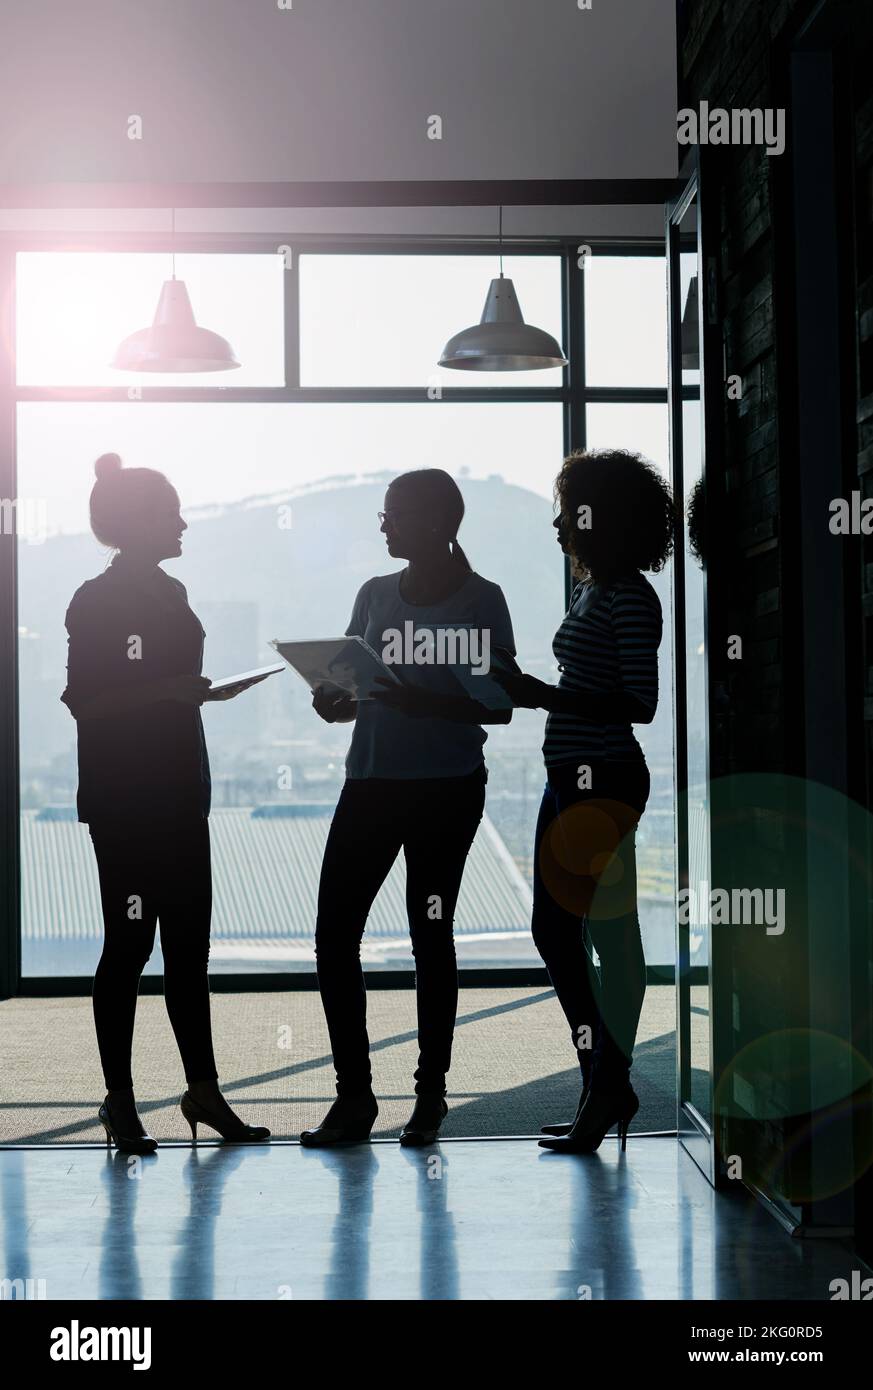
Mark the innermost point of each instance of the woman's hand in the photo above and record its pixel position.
(525, 692)
(412, 700)
(333, 705)
(227, 692)
(187, 690)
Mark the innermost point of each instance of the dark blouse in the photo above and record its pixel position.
(129, 627)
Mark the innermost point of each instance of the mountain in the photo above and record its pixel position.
(253, 577)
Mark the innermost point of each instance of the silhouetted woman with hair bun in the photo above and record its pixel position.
(134, 687)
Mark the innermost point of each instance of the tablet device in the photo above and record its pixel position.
(243, 680)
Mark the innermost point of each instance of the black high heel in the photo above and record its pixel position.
(348, 1121)
(566, 1128)
(600, 1112)
(235, 1132)
(141, 1143)
(423, 1125)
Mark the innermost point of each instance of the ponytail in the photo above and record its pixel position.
(437, 491)
(459, 557)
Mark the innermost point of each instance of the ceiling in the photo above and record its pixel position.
(344, 90)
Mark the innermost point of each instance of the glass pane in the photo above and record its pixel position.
(644, 429)
(251, 577)
(384, 320)
(696, 684)
(689, 310)
(625, 321)
(74, 308)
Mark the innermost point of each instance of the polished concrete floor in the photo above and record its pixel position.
(468, 1219)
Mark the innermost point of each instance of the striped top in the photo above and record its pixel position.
(607, 644)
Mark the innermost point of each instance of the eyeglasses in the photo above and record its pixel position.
(397, 511)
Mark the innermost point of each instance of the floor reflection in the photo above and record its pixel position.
(495, 1220)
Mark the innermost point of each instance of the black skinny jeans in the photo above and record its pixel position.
(434, 821)
(585, 878)
(161, 873)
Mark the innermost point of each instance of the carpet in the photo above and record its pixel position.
(513, 1064)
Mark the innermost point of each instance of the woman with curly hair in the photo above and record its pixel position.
(615, 520)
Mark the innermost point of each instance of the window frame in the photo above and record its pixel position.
(574, 395)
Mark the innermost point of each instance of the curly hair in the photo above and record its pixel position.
(695, 515)
(630, 517)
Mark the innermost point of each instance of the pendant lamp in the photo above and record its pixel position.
(175, 342)
(502, 341)
(689, 336)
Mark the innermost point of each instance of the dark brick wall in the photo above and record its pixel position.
(733, 55)
(736, 55)
(725, 59)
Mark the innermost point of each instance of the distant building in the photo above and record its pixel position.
(266, 866)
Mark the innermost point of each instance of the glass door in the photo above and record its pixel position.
(693, 811)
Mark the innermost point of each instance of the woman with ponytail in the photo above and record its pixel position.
(415, 780)
(134, 687)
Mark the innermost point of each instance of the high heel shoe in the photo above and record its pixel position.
(348, 1121)
(600, 1112)
(423, 1125)
(233, 1130)
(565, 1128)
(140, 1143)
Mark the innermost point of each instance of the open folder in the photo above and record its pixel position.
(344, 662)
(350, 664)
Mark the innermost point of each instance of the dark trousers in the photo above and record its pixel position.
(433, 821)
(160, 873)
(585, 891)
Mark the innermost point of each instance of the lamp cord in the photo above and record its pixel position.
(500, 236)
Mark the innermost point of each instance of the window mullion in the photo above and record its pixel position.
(292, 317)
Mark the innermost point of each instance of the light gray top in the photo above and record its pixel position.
(388, 743)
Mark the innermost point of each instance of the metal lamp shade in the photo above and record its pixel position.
(690, 333)
(174, 343)
(502, 341)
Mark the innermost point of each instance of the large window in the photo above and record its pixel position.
(281, 468)
(74, 307)
(625, 350)
(375, 320)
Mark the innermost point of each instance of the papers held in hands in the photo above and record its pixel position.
(481, 686)
(242, 681)
(346, 663)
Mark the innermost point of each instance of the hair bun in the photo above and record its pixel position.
(107, 465)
